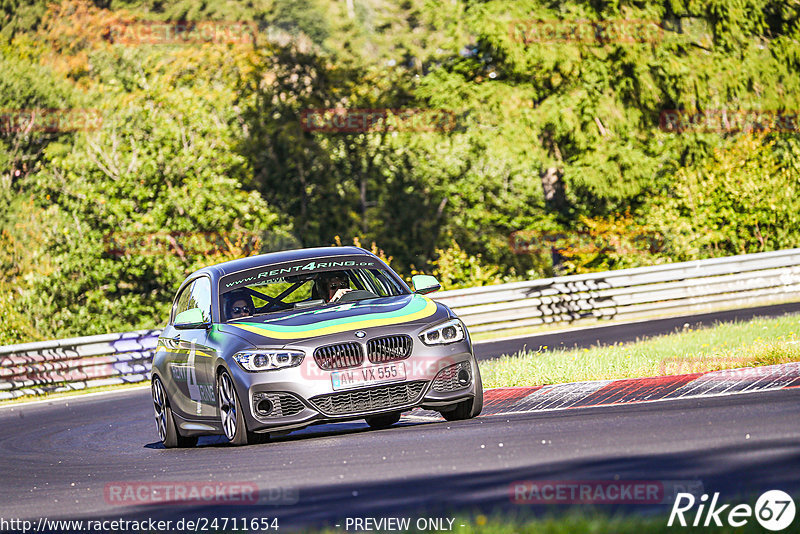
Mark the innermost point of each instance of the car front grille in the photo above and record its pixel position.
(371, 399)
(340, 356)
(283, 405)
(389, 348)
(447, 378)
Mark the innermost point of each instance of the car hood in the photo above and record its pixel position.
(293, 326)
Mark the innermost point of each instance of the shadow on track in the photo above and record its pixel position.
(490, 491)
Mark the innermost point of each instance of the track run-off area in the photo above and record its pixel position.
(97, 456)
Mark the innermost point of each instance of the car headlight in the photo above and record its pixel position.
(449, 332)
(268, 360)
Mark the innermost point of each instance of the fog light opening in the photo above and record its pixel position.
(463, 377)
(264, 407)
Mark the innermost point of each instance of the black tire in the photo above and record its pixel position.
(165, 424)
(469, 408)
(231, 414)
(383, 421)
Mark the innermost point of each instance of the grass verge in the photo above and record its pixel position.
(591, 322)
(722, 346)
(577, 522)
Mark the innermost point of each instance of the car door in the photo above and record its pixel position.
(191, 358)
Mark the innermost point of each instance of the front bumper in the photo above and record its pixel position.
(304, 395)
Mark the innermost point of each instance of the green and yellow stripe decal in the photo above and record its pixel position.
(160, 347)
(365, 316)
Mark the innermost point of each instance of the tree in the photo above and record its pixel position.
(160, 176)
(745, 199)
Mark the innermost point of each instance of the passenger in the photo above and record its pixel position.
(240, 305)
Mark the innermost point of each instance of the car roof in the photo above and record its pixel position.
(221, 269)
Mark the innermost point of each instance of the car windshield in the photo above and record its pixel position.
(306, 284)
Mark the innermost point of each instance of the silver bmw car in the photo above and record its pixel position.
(273, 343)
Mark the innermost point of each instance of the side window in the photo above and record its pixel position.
(196, 295)
(201, 297)
(182, 304)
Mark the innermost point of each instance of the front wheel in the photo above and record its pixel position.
(469, 408)
(232, 415)
(165, 422)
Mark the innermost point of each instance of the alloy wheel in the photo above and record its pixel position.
(227, 405)
(160, 407)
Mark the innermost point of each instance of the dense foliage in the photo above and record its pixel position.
(527, 154)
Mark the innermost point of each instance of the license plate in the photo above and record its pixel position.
(368, 376)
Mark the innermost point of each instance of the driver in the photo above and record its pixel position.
(332, 285)
(239, 304)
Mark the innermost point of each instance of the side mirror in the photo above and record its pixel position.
(425, 283)
(191, 318)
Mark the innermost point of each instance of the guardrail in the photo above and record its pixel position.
(626, 294)
(76, 363)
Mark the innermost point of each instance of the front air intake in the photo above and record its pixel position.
(453, 378)
(370, 399)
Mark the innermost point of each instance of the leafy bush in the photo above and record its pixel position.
(204, 154)
(162, 164)
(745, 199)
(455, 269)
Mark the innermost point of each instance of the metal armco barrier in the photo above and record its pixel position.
(76, 363)
(626, 294)
(629, 294)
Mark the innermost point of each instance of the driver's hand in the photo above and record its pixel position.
(339, 293)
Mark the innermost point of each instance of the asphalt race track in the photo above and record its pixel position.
(65, 458)
(624, 333)
(58, 457)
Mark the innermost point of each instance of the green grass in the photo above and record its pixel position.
(723, 346)
(576, 521)
(590, 322)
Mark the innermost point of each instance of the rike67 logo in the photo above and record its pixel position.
(774, 510)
